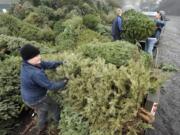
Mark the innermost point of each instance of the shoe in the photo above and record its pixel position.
(44, 131)
(33, 131)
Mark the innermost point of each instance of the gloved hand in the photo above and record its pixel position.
(59, 63)
(65, 79)
(65, 62)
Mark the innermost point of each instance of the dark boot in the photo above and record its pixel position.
(54, 130)
(38, 131)
(44, 131)
(33, 131)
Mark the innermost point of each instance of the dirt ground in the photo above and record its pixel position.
(167, 116)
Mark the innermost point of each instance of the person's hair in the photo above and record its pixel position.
(119, 11)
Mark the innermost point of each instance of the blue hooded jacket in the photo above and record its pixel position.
(34, 82)
(117, 26)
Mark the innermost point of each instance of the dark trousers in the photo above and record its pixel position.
(43, 108)
(116, 37)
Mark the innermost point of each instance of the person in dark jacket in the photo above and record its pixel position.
(151, 41)
(160, 23)
(117, 25)
(35, 84)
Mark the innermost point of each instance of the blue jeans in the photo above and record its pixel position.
(150, 43)
(42, 108)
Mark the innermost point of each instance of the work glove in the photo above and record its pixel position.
(59, 63)
(65, 79)
(65, 62)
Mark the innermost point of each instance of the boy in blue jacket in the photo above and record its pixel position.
(35, 84)
(117, 25)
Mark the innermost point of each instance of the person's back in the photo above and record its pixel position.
(117, 25)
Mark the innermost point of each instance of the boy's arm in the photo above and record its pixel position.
(41, 79)
(50, 65)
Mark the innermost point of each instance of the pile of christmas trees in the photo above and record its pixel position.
(107, 80)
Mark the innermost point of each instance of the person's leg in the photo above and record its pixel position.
(151, 44)
(146, 46)
(42, 118)
(115, 37)
(42, 113)
(120, 37)
(54, 109)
